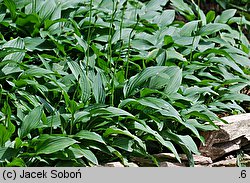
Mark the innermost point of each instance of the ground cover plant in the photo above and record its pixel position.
(84, 82)
(242, 8)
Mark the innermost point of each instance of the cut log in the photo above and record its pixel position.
(114, 164)
(233, 162)
(170, 164)
(225, 163)
(230, 137)
(169, 160)
(198, 159)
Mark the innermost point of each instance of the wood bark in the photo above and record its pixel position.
(230, 137)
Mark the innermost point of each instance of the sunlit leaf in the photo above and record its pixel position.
(80, 152)
(15, 43)
(31, 121)
(84, 134)
(49, 144)
(213, 28)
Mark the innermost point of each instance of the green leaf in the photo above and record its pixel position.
(17, 43)
(158, 137)
(182, 7)
(31, 121)
(9, 50)
(124, 34)
(168, 41)
(159, 81)
(241, 60)
(11, 68)
(75, 69)
(191, 91)
(70, 4)
(10, 4)
(137, 81)
(141, 44)
(223, 3)
(155, 105)
(155, 5)
(175, 80)
(210, 16)
(80, 152)
(110, 112)
(84, 134)
(214, 51)
(185, 142)
(213, 28)
(238, 20)
(31, 98)
(200, 13)
(36, 71)
(82, 79)
(227, 62)
(118, 154)
(115, 131)
(46, 104)
(172, 54)
(158, 106)
(18, 143)
(189, 28)
(225, 16)
(48, 23)
(31, 21)
(37, 43)
(81, 116)
(16, 162)
(166, 18)
(235, 96)
(98, 89)
(118, 112)
(47, 9)
(189, 142)
(5, 135)
(47, 144)
(85, 87)
(7, 153)
(200, 126)
(81, 42)
(123, 143)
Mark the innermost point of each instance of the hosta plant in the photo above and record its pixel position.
(86, 82)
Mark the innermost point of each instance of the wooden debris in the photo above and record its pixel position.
(230, 137)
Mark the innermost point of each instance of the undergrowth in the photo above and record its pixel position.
(86, 82)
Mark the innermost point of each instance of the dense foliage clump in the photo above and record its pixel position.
(84, 82)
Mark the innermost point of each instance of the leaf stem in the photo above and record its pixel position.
(88, 37)
(119, 54)
(33, 6)
(114, 9)
(129, 42)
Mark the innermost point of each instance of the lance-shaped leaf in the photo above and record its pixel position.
(84, 134)
(213, 28)
(158, 137)
(79, 152)
(31, 121)
(170, 77)
(47, 144)
(17, 43)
